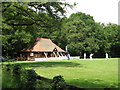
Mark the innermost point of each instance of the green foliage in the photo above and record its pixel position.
(23, 22)
(83, 34)
(30, 81)
(112, 38)
(79, 29)
(10, 76)
(14, 76)
(58, 83)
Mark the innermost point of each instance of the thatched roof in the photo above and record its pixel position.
(43, 45)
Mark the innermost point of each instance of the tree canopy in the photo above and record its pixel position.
(84, 35)
(23, 22)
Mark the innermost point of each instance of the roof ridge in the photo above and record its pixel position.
(42, 38)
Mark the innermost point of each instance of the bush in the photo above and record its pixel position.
(58, 83)
(30, 79)
(10, 78)
(14, 76)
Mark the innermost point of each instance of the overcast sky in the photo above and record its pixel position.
(104, 11)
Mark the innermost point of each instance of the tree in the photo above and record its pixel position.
(113, 36)
(79, 30)
(83, 34)
(24, 22)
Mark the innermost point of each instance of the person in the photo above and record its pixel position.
(84, 55)
(106, 55)
(91, 55)
(68, 55)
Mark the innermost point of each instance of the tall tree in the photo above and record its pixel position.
(24, 22)
(112, 37)
(79, 30)
(83, 34)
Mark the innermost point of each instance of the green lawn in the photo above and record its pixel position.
(97, 73)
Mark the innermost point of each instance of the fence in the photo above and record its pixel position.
(56, 58)
(51, 58)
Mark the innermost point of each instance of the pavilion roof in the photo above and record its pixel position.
(43, 45)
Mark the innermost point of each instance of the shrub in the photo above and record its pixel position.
(30, 79)
(58, 83)
(9, 79)
(14, 76)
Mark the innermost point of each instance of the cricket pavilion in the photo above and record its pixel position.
(42, 49)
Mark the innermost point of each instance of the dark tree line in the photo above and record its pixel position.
(84, 35)
(22, 23)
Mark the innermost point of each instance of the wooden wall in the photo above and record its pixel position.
(33, 55)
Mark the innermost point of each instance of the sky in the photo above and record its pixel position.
(103, 11)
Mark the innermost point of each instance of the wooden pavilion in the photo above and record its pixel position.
(42, 48)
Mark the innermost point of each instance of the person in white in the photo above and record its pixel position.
(84, 55)
(91, 55)
(106, 55)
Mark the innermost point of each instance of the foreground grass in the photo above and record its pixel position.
(97, 73)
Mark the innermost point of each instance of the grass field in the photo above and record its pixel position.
(97, 73)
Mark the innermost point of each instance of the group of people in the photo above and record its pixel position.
(91, 55)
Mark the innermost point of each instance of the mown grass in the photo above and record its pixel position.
(0, 76)
(96, 73)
